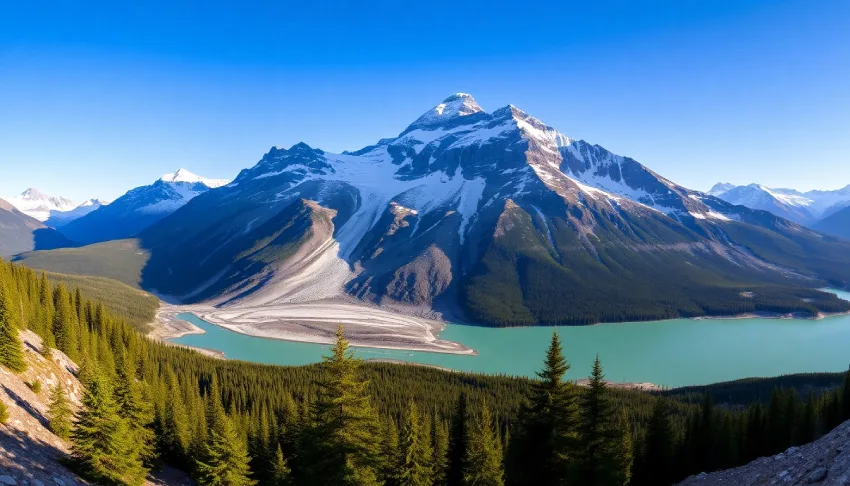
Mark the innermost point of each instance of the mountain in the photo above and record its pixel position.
(720, 188)
(61, 218)
(493, 218)
(802, 207)
(139, 208)
(21, 233)
(837, 223)
(40, 206)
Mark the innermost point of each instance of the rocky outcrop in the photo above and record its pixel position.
(823, 462)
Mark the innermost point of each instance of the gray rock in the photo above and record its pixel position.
(817, 475)
(37, 482)
(59, 481)
(8, 480)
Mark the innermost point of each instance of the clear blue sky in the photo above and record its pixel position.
(95, 100)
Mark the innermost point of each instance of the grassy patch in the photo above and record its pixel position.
(121, 260)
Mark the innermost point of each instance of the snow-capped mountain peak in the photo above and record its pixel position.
(38, 205)
(183, 175)
(455, 109)
(720, 188)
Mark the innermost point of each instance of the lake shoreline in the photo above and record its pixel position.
(167, 326)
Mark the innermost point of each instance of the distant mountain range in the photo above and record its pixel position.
(807, 208)
(494, 218)
(21, 233)
(138, 208)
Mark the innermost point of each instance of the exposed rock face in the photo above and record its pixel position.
(823, 462)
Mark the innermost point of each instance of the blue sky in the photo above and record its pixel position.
(95, 100)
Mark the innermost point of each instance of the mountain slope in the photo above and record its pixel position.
(20, 233)
(838, 224)
(61, 218)
(493, 217)
(139, 208)
(37, 205)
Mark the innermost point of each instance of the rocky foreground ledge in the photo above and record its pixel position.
(823, 462)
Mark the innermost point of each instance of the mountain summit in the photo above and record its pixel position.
(183, 175)
(40, 206)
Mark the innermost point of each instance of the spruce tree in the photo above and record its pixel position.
(135, 407)
(103, 444)
(390, 452)
(4, 413)
(11, 347)
(281, 473)
(225, 461)
(439, 462)
(174, 435)
(59, 412)
(64, 323)
(659, 444)
(346, 428)
(415, 452)
(484, 454)
(545, 442)
(602, 458)
(457, 442)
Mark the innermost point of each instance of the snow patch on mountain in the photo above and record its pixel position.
(183, 175)
(38, 205)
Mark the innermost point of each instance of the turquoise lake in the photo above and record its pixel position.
(671, 353)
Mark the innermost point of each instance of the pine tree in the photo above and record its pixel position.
(60, 413)
(457, 443)
(415, 452)
(620, 457)
(103, 444)
(602, 437)
(64, 323)
(130, 395)
(174, 435)
(439, 462)
(659, 444)
(11, 347)
(484, 454)
(390, 452)
(545, 443)
(346, 428)
(4, 413)
(225, 461)
(281, 474)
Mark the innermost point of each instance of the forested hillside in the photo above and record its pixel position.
(344, 422)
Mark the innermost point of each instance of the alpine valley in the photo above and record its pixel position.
(488, 218)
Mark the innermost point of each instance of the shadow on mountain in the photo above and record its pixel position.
(50, 239)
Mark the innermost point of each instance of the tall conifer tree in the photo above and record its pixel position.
(11, 347)
(545, 444)
(59, 412)
(414, 468)
(484, 454)
(346, 427)
(225, 461)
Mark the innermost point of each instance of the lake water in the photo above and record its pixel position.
(672, 353)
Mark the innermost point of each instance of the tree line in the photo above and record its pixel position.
(146, 403)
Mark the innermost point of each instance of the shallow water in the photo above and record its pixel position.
(671, 353)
